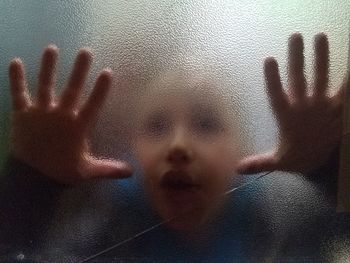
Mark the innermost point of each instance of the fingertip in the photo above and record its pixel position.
(105, 77)
(321, 41)
(16, 68)
(51, 50)
(296, 37)
(255, 164)
(20, 99)
(83, 60)
(116, 170)
(15, 63)
(48, 61)
(271, 69)
(321, 36)
(124, 170)
(296, 42)
(52, 46)
(108, 72)
(85, 53)
(98, 168)
(245, 166)
(270, 62)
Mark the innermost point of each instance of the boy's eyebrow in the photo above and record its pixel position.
(210, 110)
(158, 111)
(204, 107)
(153, 115)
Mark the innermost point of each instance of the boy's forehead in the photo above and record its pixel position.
(184, 90)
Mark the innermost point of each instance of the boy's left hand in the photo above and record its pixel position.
(310, 126)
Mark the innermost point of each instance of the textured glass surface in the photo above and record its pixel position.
(140, 39)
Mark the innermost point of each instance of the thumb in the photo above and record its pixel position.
(258, 163)
(95, 168)
(344, 88)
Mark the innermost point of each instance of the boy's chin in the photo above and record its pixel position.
(187, 224)
(189, 215)
(186, 220)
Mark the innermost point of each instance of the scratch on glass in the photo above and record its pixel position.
(166, 221)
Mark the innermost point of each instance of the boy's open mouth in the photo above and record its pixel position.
(178, 181)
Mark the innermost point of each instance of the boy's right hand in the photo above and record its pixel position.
(50, 134)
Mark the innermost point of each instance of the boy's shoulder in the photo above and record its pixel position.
(300, 213)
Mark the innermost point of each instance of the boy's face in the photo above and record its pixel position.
(185, 146)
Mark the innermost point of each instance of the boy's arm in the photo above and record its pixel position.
(325, 177)
(27, 200)
(49, 136)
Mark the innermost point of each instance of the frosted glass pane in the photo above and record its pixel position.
(227, 42)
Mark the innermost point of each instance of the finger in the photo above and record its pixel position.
(106, 169)
(340, 96)
(89, 111)
(346, 86)
(258, 163)
(19, 92)
(47, 76)
(321, 66)
(70, 96)
(278, 98)
(296, 77)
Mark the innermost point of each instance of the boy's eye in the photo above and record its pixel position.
(156, 126)
(207, 125)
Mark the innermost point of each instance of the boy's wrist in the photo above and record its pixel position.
(23, 173)
(326, 175)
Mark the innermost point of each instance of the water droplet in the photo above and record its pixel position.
(20, 256)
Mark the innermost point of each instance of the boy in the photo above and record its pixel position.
(184, 143)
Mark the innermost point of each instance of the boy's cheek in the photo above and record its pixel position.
(223, 163)
(222, 157)
(145, 153)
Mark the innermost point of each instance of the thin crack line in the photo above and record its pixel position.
(166, 221)
(125, 241)
(247, 183)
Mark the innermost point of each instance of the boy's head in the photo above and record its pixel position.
(186, 144)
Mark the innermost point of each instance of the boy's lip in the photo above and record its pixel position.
(178, 180)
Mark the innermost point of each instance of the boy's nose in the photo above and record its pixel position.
(179, 156)
(179, 151)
